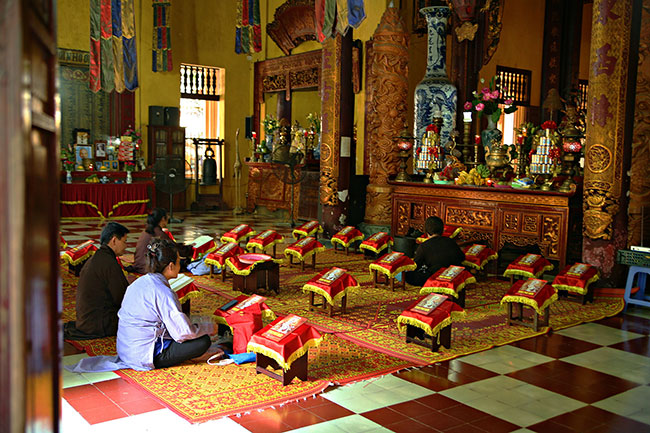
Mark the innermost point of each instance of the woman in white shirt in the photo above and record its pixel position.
(153, 332)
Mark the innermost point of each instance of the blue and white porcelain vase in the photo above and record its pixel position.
(490, 134)
(435, 94)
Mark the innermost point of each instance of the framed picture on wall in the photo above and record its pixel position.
(81, 136)
(100, 150)
(83, 152)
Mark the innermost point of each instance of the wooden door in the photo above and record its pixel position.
(30, 314)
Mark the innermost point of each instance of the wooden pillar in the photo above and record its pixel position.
(337, 105)
(609, 132)
(386, 115)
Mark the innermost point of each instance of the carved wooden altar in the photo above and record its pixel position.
(495, 215)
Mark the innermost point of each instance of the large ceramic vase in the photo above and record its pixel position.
(435, 94)
(490, 134)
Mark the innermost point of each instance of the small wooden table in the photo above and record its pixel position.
(298, 368)
(575, 282)
(516, 316)
(533, 293)
(390, 265)
(265, 275)
(418, 336)
(330, 284)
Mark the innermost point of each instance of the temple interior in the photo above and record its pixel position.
(320, 136)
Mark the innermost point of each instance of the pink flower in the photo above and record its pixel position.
(485, 90)
(508, 101)
(480, 106)
(467, 106)
(495, 94)
(486, 96)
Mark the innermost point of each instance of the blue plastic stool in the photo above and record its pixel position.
(640, 297)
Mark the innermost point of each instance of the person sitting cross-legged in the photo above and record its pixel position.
(153, 332)
(436, 252)
(101, 288)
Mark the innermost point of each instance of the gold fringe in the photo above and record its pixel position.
(304, 233)
(576, 289)
(226, 239)
(191, 295)
(343, 244)
(120, 203)
(483, 263)
(125, 217)
(530, 302)
(251, 244)
(402, 321)
(288, 252)
(66, 258)
(378, 268)
(115, 206)
(375, 250)
(311, 288)
(85, 202)
(212, 262)
(258, 348)
(447, 290)
(455, 233)
(268, 315)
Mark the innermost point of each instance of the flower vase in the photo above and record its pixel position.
(129, 179)
(435, 96)
(490, 134)
(269, 148)
(68, 176)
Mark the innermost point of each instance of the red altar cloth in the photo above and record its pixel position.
(377, 242)
(287, 350)
(310, 228)
(476, 256)
(63, 244)
(218, 258)
(576, 278)
(188, 292)
(244, 323)
(110, 200)
(537, 294)
(392, 264)
(242, 231)
(433, 322)
(529, 266)
(304, 248)
(264, 240)
(240, 268)
(449, 231)
(346, 236)
(75, 255)
(332, 284)
(439, 283)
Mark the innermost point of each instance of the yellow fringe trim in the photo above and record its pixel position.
(212, 262)
(376, 267)
(296, 254)
(345, 245)
(252, 244)
(191, 295)
(455, 233)
(258, 348)
(84, 202)
(296, 232)
(530, 302)
(447, 290)
(93, 205)
(247, 271)
(225, 239)
(311, 288)
(118, 204)
(375, 250)
(66, 258)
(266, 315)
(209, 250)
(483, 263)
(576, 289)
(402, 321)
(125, 217)
(221, 321)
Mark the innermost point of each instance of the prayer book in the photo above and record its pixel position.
(310, 225)
(332, 275)
(251, 300)
(223, 249)
(305, 241)
(284, 327)
(200, 241)
(578, 269)
(81, 246)
(179, 282)
(430, 303)
(475, 250)
(529, 259)
(377, 236)
(239, 228)
(345, 230)
(531, 287)
(392, 257)
(265, 234)
(451, 272)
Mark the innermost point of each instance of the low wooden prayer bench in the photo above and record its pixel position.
(302, 250)
(77, 256)
(332, 284)
(310, 228)
(429, 317)
(477, 256)
(265, 240)
(244, 319)
(289, 353)
(390, 265)
(238, 234)
(574, 282)
(451, 281)
(527, 266)
(218, 258)
(533, 293)
(259, 274)
(376, 243)
(347, 237)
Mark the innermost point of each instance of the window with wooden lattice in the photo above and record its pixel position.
(517, 82)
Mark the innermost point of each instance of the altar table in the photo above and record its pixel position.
(110, 200)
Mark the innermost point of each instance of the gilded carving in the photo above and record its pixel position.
(475, 236)
(328, 189)
(293, 24)
(430, 210)
(530, 224)
(417, 211)
(511, 221)
(403, 217)
(599, 158)
(518, 240)
(380, 198)
(330, 121)
(386, 112)
(494, 11)
(640, 169)
(551, 234)
(468, 217)
(608, 80)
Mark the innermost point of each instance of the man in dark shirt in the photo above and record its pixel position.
(102, 285)
(436, 252)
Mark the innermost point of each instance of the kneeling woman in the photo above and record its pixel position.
(153, 332)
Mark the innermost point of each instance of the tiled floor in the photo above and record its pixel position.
(590, 378)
